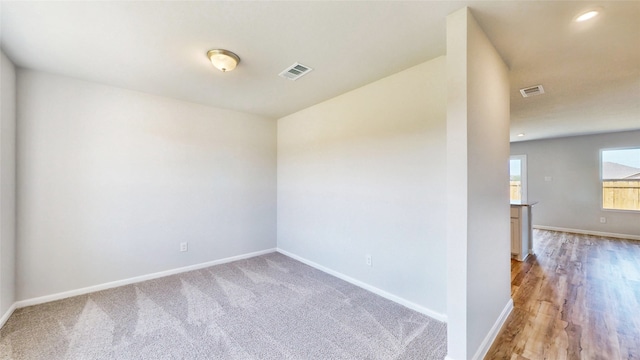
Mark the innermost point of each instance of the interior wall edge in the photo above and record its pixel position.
(493, 333)
(387, 295)
(137, 279)
(8, 163)
(7, 314)
(588, 232)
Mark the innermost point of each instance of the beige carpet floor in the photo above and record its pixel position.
(266, 307)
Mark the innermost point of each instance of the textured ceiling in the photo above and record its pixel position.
(590, 71)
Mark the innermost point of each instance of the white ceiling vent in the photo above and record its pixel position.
(295, 71)
(532, 91)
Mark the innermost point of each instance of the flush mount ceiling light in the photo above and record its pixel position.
(223, 60)
(521, 135)
(587, 15)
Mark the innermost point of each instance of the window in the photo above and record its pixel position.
(518, 178)
(620, 175)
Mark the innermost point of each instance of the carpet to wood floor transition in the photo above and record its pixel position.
(266, 307)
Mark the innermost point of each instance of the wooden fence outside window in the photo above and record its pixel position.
(515, 190)
(621, 194)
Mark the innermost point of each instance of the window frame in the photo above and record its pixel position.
(601, 180)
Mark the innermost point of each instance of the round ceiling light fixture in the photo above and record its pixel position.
(223, 60)
(587, 15)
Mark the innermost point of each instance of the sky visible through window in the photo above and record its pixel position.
(628, 157)
(514, 168)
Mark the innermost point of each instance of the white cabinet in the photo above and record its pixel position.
(521, 234)
(516, 245)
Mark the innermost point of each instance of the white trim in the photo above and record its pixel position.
(493, 333)
(7, 315)
(588, 232)
(137, 279)
(411, 305)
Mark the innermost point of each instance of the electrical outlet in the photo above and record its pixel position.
(184, 246)
(603, 220)
(369, 263)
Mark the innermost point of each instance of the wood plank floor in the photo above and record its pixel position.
(577, 298)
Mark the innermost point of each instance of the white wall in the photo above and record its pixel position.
(363, 173)
(111, 181)
(573, 197)
(477, 194)
(7, 183)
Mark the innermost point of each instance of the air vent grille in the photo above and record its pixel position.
(532, 91)
(295, 71)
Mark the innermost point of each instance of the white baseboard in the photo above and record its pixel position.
(133, 280)
(493, 333)
(413, 306)
(588, 232)
(7, 314)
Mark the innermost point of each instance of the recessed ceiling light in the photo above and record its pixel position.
(521, 135)
(586, 16)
